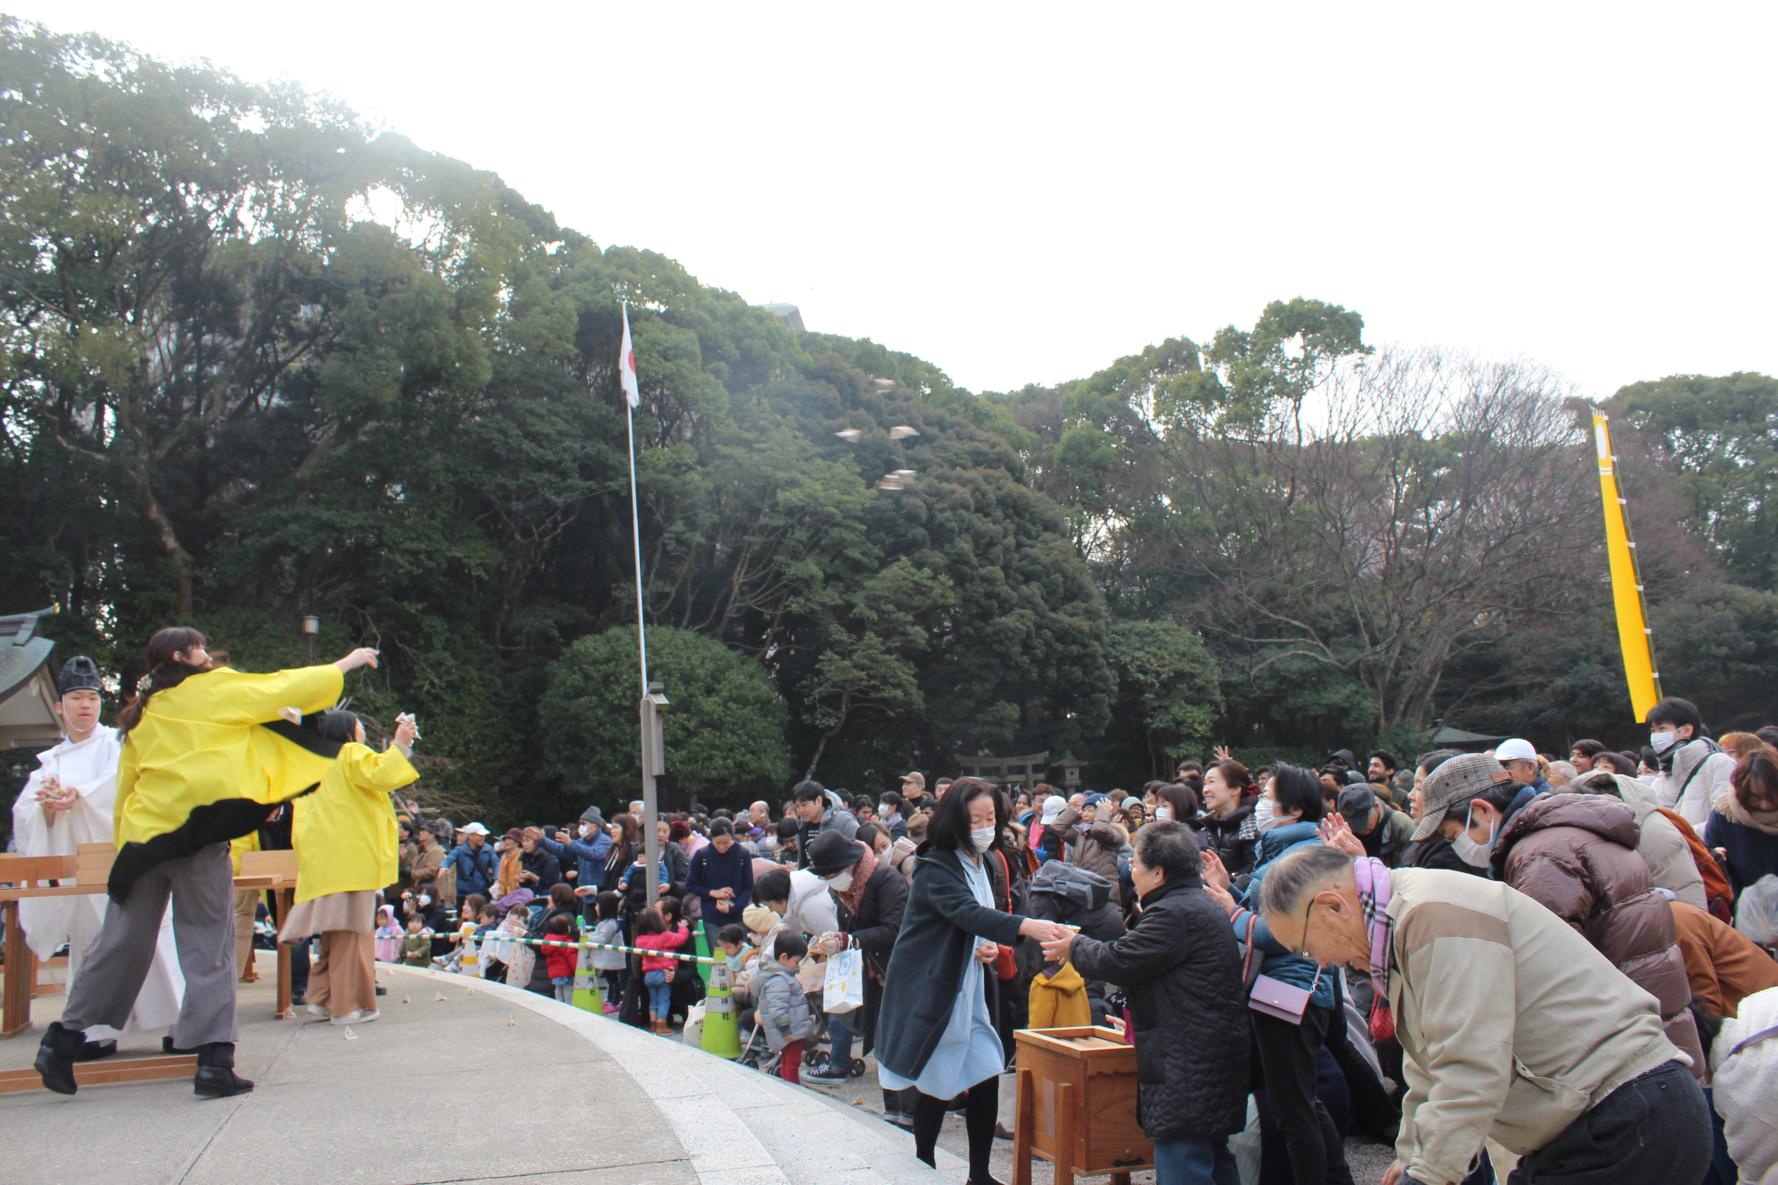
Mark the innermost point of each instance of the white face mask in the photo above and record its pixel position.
(842, 882)
(1163, 814)
(1469, 850)
(1660, 742)
(884, 810)
(586, 829)
(1262, 814)
(425, 900)
(981, 838)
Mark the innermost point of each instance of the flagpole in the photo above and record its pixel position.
(647, 719)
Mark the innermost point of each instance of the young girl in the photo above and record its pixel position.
(416, 948)
(654, 933)
(561, 959)
(388, 935)
(610, 964)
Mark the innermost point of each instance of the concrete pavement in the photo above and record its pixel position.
(457, 1082)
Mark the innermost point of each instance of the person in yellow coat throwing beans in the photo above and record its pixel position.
(346, 849)
(206, 755)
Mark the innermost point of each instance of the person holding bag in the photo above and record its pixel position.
(935, 1032)
(870, 898)
(1291, 1003)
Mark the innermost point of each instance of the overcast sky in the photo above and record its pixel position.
(1024, 192)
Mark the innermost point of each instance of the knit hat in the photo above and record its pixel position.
(1054, 805)
(592, 815)
(758, 919)
(1456, 781)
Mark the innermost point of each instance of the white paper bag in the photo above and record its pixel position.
(842, 990)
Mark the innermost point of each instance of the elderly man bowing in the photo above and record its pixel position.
(1514, 1027)
(1182, 974)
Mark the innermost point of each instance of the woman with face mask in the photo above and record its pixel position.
(935, 1029)
(869, 898)
(1285, 1051)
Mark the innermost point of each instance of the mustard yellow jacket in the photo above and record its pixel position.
(197, 743)
(345, 833)
(1060, 1001)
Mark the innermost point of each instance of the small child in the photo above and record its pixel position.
(608, 907)
(416, 947)
(388, 935)
(504, 958)
(784, 1011)
(561, 959)
(736, 957)
(652, 933)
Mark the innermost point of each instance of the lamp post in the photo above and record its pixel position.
(654, 764)
(311, 627)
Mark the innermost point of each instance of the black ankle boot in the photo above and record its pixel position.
(56, 1056)
(92, 1051)
(170, 1049)
(216, 1077)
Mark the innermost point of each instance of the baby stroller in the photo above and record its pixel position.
(755, 1053)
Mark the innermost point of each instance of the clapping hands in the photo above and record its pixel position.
(1337, 833)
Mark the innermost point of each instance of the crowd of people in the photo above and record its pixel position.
(1562, 962)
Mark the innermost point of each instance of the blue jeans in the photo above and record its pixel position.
(1194, 1162)
(840, 1053)
(660, 993)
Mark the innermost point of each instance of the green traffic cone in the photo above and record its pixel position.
(587, 995)
(705, 933)
(722, 1034)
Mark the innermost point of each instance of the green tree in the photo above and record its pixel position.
(724, 731)
(1167, 694)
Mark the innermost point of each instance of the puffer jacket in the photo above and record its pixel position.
(1060, 1001)
(1181, 972)
(1233, 839)
(1095, 849)
(1576, 855)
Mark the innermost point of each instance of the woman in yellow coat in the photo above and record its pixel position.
(204, 751)
(347, 849)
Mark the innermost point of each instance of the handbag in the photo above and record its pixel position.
(1006, 967)
(1280, 1000)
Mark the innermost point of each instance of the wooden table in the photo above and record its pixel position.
(85, 873)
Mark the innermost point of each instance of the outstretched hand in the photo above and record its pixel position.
(1337, 833)
(364, 656)
(1221, 753)
(1215, 875)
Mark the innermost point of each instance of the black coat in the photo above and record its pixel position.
(1181, 975)
(873, 930)
(937, 940)
(545, 867)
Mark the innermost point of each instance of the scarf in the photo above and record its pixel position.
(1372, 878)
(853, 897)
(1730, 808)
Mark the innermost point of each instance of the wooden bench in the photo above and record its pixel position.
(85, 873)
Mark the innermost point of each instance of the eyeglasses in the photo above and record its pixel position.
(1304, 944)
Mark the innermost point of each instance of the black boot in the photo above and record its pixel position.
(170, 1049)
(216, 1077)
(92, 1051)
(56, 1056)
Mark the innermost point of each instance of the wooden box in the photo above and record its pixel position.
(1077, 1105)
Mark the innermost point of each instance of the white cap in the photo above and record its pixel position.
(475, 829)
(1515, 750)
(1054, 805)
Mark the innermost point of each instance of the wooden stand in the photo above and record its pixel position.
(1077, 1106)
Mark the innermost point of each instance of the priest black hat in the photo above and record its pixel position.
(79, 673)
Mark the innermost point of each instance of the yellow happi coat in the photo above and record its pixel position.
(345, 833)
(197, 744)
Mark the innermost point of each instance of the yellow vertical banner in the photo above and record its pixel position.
(1634, 636)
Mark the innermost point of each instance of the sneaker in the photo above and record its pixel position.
(827, 1074)
(356, 1017)
(317, 1010)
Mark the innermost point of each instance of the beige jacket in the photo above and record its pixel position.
(1661, 846)
(1513, 1025)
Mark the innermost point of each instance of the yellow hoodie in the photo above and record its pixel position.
(344, 833)
(1060, 1001)
(197, 744)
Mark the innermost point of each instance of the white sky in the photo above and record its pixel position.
(1025, 192)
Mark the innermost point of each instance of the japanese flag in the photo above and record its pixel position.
(626, 364)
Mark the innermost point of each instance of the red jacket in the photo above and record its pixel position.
(561, 959)
(671, 940)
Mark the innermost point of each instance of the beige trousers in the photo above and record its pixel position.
(344, 978)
